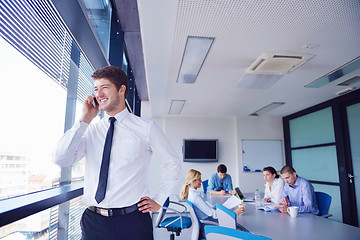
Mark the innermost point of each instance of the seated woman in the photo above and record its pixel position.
(274, 185)
(203, 209)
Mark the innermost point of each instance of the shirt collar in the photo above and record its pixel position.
(197, 192)
(119, 116)
(297, 183)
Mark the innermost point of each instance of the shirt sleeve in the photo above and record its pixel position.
(204, 207)
(228, 183)
(169, 161)
(211, 182)
(267, 191)
(285, 192)
(277, 191)
(71, 147)
(307, 196)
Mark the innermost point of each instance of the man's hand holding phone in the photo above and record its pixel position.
(90, 109)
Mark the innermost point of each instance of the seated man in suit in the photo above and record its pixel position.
(220, 183)
(297, 192)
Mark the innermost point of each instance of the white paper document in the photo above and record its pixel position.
(232, 202)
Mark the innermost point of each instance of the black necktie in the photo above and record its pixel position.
(103, 177)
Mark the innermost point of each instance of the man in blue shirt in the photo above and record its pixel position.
(220, 183)
(297, 192)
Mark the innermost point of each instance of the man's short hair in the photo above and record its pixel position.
(287, 169)
(115, 75)
(222, 168)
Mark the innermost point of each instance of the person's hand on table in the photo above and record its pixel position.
(267, 200)
(283, 209)
(232, 192)
(222, 192)
(284, 201)
(240, 209)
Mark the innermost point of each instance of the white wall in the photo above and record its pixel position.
(256, 128)
(229, 131)
(222, 129)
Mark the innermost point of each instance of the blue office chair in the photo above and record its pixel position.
(175, 223)
(324, 201)
(196, 223)
(227, 218)
(205, 185)
(224, 233)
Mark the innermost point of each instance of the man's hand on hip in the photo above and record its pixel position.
(147, 204)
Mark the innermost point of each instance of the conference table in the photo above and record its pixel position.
(280, 226)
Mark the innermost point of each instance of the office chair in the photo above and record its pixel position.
(224, 233)
(196, 222)
(227, 218)
(324, 201)
(205, 185)
(173, 224)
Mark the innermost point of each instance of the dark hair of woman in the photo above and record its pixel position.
(271, 170)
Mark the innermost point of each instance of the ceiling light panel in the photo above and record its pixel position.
(336, 74)
(176, 107)
(196, 50)
(267, 108)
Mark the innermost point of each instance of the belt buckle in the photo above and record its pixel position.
(103, 212)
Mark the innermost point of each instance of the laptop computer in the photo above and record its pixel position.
(242, 197)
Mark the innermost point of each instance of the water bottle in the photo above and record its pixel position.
(208, 194)
(257, 198)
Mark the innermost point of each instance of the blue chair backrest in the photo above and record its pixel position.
(324, 201)
(163, 212)
(196, 223)
(192, 206)
(205, 185)
(166, 205)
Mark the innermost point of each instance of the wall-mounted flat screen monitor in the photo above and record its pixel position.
(200, 150)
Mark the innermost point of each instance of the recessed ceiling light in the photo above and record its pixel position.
(196, 50)
(336, 74)
(176, 106)
(267, 108)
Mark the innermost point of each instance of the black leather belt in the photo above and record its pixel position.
(109, 212)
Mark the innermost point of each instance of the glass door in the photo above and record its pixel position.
(353, 116)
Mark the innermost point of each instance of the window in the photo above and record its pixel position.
(37, 70)
(314, 156)
(33, 108)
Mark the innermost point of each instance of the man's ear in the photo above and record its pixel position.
(122, 90)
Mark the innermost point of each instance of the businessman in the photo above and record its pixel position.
(220, 183)
(118, 150)
(297, 192)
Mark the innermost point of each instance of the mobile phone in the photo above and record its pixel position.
(238, 192)
(95, 102)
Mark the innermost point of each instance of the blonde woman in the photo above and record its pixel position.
(203, 210)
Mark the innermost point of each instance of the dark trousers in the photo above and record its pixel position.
(133, 226)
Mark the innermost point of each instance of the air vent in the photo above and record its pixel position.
(350, 81)
(277, 63)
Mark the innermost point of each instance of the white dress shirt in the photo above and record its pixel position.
(135, 141)
(202, 208)
(276, 190)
